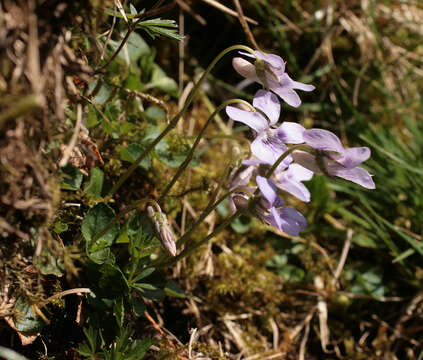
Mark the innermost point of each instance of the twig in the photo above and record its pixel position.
(157, 327)
(244, 24)
(72, 142)
(343, 257)
(304, 341)
(187, 8)
(65, 293)
(227, 10)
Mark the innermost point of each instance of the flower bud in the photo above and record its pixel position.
(162, 229)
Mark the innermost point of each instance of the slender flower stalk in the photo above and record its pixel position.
(173, 122)
(183, 166)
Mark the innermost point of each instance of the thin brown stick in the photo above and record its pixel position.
(67, 153)
(244, 24)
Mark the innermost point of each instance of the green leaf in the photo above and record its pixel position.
(92, 119)
(107, 281)
(138, 306)
(241, 224)
(143, 274)
(159, 80)
(119, 311)
(48, 263)
(155, 113)
(95, 221)
(102, 95)
(173, 289)
(135, 47)
(157, 27)
(173, 156)
(143, 286)
(26, 320)
(95, 184)
(60, 227)
(132, 152)
(291, 273)
(71, 178)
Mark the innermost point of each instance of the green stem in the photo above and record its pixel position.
(280, 159)
(176, 118)
(183, 166)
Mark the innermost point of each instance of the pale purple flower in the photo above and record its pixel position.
(270, 142)
(269, 71)
(162, 229)
(290, 180)
(333, 159)
(270, 209)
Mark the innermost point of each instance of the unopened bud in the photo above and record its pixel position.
(240, 200)
(162, 229)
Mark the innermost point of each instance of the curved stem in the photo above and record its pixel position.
(176, 118)
(280, 159)
(183, 166)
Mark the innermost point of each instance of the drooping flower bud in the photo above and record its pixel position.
(162, 229)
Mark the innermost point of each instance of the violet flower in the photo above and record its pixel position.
(269, 71)
(269, 209)
(269, 144)
(290, 180)
(333, 159)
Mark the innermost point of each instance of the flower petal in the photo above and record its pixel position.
(268, 147)
(287, 94)
(295, 188)
(307, 160)
(352, 157)
(275, 61)
(269, 191)
(356, 175)
(269, 104)
(292, 221)
(245, 68)
(298, 85)
(323, 140)
(251, 118)
(299, 173)
(291, 133)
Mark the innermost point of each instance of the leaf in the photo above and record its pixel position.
(95, 221)
(71, 178)
(25, 319)
(60, 227)
(157, 27)
(49, 264)
(241, 224)
(138, 306)
(107, 281)
(142, 241)
(102, 94)
(135, 47)
(132, 152)
(94, 185)
(161, 81)
(173, 289)
(119, 311)
(143, 274)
